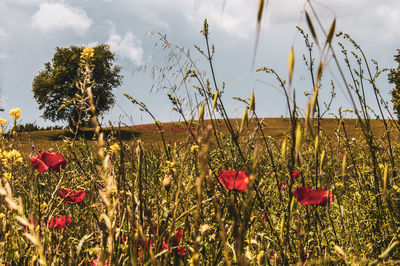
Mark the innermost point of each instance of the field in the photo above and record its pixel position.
(177, 132)
(147, 204)
(209, 189)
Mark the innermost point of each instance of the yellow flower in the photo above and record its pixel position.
(43, 206)
(114, 148)
(7, 175)
(2, 215)
(87, 53)
(170, 164)
(194, 148)
(2, 121)
(13, 156)
(15, 113)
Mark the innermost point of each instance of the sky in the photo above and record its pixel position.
(30, 30)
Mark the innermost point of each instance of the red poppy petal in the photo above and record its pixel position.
(234, 180)
(296, 174)
(53, 160)
(56, 167)
(308, 196)
(64, 192)
(38, 164)
(178, 235)
(59, 222)
(72, 196)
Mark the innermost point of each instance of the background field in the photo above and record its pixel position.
(176, 132)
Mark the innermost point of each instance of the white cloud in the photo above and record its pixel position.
(27, 2)
(127, 46)
(58, 16)
(390, 21)
(3, 35)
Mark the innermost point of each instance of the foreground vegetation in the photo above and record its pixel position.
(225, 192)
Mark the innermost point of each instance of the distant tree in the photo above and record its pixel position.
(56, 83)
(394, 78)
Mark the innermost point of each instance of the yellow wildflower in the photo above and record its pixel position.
(43, 206)
(114, 147)
(194, 148)
(13, 155)
(7, 175)
(170, 164)
(15, 113)
(2, 121)
(2, 215)
(87, 53)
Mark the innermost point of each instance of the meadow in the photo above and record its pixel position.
(208, 190)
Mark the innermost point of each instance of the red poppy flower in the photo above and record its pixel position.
(234, 180)
(72, 197)
(176, 241)
(48, 161)
(308, 196)
(59, 222)
(38, 164)
(296, 174)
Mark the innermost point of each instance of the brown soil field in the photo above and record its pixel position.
(176, 132)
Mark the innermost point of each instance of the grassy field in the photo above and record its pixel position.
(273, 191)
(141, 202)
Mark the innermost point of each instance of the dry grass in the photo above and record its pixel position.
(176, 132)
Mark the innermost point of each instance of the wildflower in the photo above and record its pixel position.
(72, 197)
(11, 157)
(43, 205)
(170, 164)
(167, 181)
(194, 148)
(177, 239)
(59, 222)
(114, 148)
(48, 161)
(296, 174)
(204, 228)
(234, 180)
(308, 196)
(2, 121)
(14, 155)
(2, 215)
(7, 175)
(15, 113)
(87, 53)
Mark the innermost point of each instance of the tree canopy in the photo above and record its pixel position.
(394, 78)
(56, 83)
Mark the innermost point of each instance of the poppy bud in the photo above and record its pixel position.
(167, 181)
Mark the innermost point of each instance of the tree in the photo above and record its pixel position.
(394, 78)
(55, 85)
